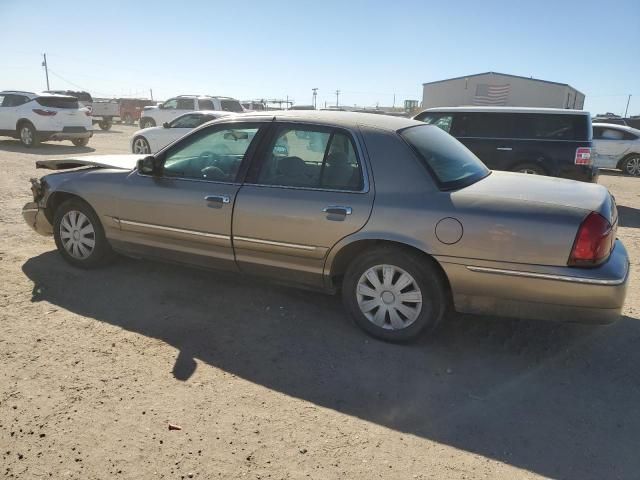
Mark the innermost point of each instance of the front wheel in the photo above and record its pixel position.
(147, 123)
(80, 142)
(393, 294)
(631, 166)
(141, 146)
(79, 235)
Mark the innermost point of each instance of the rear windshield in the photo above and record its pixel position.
(58, 102)
(452, 164)
(231, 106)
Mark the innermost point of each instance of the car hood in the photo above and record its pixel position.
(509, 187)
(122, 162)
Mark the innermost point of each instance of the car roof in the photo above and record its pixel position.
(614, 126)
(508, 110)
(335, 118)
(33, 95)
(208, 112)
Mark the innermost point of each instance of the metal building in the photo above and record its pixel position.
(497, 89)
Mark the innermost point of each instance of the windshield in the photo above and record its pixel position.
(453, 165)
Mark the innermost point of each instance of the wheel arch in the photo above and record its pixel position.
(57, 198)
(344, 253)
(22, 121)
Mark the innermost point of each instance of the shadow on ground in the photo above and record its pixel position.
(556, 399)
(628, 216)
(45, 148)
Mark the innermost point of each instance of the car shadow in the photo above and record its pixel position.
(560, 400)
(628, 216)
(45, 148)
(99, 131)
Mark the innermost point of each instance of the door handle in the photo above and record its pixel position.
(337, 210)
(504, 149)
(217, 198)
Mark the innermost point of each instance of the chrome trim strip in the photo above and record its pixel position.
(277, 244)
(30, 209)
(549, 276)
(173, 229)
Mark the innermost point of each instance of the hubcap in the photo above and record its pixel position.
(26, 136)
(633, 166)
(77, 234)
(140, 146)
(389, 297)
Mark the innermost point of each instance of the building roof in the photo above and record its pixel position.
(473, 108)
(504, 75)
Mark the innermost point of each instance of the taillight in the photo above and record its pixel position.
(44, 113)
(583, 156)
(594, 241)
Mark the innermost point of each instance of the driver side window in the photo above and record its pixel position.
(213, 155)
(170, 104)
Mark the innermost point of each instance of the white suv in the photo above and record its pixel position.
(176, 106)
(34, 118)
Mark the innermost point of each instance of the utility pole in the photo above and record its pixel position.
(151, 93)
(627, 109)
(337, 98)
(315, 94)
(46, 69)
(394, 101)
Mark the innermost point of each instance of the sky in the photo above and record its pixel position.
(369, 50)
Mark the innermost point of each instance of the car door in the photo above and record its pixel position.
(489, 136)
(307, 188)
(9, 104)
(610, 146)
(178, 128)
(4, 114)
(184, 210)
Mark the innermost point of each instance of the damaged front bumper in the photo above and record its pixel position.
(35, 217)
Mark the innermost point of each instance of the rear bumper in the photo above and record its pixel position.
(594, 295)
(67, 133)
(36, 219)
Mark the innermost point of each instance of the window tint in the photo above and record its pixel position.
(231, 106)
(58, 102)
(213, 155)
(629, 136)
(311, 158)
(191, 120)
(611, 134)
(452, 164)
(483, 125)
(170, 104)
(552, 126)
(205, 105)
(185, 104)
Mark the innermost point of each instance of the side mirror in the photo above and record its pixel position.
(147, 165)
(166, 125)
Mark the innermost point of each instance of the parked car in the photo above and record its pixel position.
(33, 118)
(150, 140)
(443, 232)
(131, 109)
(617, 146)
(174, 107)
(541, 141)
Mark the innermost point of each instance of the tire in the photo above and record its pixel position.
(70, 220)
(140, 146)
(80, 142)
(105, 125)
(529, 168)
(631, 165)
(28, 135)
(376, 306)
(147, 123)
(128, 119)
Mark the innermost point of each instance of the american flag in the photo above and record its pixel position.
(491, 94)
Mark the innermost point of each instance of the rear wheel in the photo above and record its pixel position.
(80, 142)
(105, 125)
(141, 146)
(79, 235)
(28, 135)
(631, 165)
(147, 123)
(394, 295)
(529, 168)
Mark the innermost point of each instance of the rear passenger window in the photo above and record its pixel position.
(483, 125)
(185, 104)
(205, 105)
(313, 159)
(552, 127)
(439, 120)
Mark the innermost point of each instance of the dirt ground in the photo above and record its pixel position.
(271, 382)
